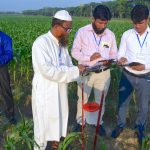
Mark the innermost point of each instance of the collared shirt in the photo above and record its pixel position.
(136, 48)
(86, 43)
(6, 52)
(49, 57)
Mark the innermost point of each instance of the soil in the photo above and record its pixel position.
(126, 141)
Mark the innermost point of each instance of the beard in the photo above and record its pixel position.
(63, 41)
(96, 30)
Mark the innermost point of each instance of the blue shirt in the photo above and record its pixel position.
(6, 51)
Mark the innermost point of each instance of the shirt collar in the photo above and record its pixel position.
(147, 30)
(53, 37)
(90, 28)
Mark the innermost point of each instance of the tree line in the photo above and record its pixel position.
(119, 8)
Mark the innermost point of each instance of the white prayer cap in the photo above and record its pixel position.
(63, 15)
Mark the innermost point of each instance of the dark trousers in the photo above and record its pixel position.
(5, 91)
(141, 86)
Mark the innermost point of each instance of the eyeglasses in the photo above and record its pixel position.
(68, 30)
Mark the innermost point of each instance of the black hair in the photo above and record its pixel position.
(139, 13)
(56, 21)
(102, 12)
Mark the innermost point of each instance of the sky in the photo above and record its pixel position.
(20, 5)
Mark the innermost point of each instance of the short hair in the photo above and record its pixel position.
(102, 12)
(139, 13)
(56, 21)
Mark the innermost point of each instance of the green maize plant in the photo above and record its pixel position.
(24, 30)
(74, 142)
(146, 143)
(20, 136)
(69, 139)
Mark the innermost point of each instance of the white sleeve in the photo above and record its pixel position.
(43, 62)
(113, 49)
(147, 66)
(122, 48)
(69, 59)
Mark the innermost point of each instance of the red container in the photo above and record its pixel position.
(91, 107)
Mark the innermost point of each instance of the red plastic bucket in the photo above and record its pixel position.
(91, 106)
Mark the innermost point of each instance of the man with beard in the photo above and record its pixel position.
(53, 69)
(93, 43)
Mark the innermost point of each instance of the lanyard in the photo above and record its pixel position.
(59, 52)
(61, 63)
(59, 55)
(141, 45)
(97, 42)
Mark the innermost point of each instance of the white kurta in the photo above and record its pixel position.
(49, 89)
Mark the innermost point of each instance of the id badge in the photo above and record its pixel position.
(140, 56)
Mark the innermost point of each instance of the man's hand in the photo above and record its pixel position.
(139, 67)
(81, 68)
(95, 56)
(122, 61)
(106, 63)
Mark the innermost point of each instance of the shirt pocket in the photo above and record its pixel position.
(105, 50)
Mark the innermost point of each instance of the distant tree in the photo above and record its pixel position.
(119, 8)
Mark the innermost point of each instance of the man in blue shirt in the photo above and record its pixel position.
(6, 55)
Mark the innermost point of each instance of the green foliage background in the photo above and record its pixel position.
(119, 8)
(24, 30)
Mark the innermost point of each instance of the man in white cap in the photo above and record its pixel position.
(53, 69)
